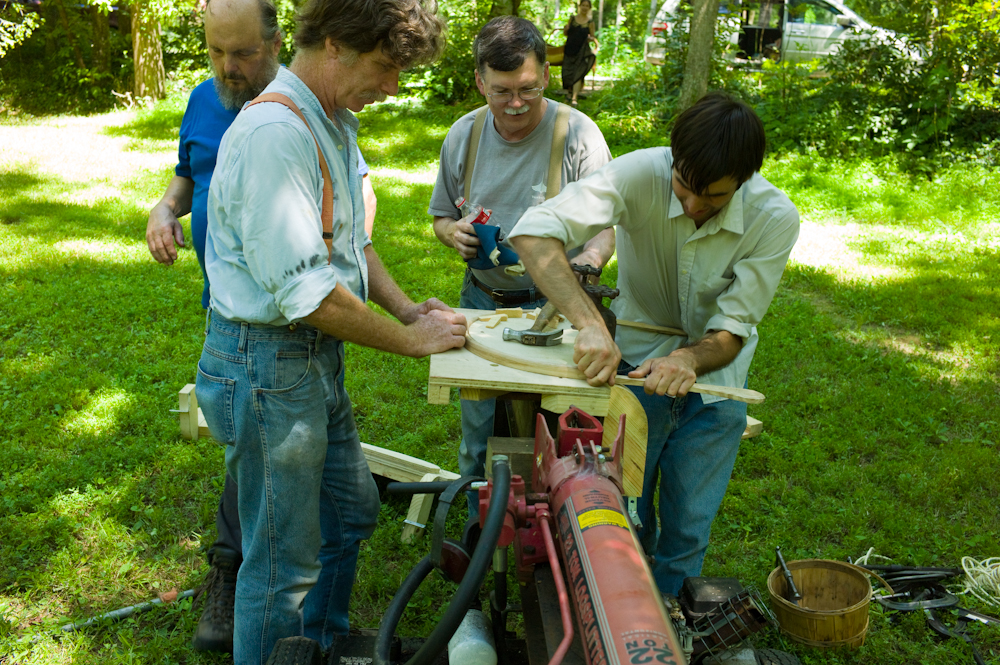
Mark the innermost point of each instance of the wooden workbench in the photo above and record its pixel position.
(478, 378)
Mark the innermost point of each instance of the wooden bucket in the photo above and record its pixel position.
(833, 611)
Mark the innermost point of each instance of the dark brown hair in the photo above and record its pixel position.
(717, 137)
(505, 42)
(409, 31)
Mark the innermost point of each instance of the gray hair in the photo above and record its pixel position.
(269, 29)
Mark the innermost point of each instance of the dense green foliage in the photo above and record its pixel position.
(872, 99)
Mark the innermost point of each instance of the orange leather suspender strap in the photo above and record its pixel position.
(326, 214)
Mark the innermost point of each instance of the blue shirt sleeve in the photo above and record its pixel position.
(362, 165)
(183, 167)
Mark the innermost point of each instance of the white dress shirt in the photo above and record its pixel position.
(721, 276)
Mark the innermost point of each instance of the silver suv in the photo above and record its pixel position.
(793, 31)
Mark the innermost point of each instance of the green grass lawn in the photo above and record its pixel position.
(879, 358)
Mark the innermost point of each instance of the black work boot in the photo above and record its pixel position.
(215, 627)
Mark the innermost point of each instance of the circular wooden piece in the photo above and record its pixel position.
(555, 360)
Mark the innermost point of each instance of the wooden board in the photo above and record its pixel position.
(488, 343)
(555, 360)
(636, 435)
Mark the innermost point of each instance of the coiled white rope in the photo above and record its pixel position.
(982, 579)
(870, 554)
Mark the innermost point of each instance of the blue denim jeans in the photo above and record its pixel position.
(477, 415)
(692, 448)
(307, 498)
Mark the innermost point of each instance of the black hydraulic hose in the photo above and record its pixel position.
(482, 559)
(383, 641)
(435, 487)
(467, 591)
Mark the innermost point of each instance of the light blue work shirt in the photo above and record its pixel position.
(721, 276)
(264, 252)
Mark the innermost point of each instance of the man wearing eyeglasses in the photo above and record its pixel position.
(517, 151)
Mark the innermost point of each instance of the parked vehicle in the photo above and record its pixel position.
(793, 31)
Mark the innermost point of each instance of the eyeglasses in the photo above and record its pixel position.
(506, 97)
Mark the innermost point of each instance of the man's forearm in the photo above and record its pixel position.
(383, 290)
(598, 250)
(178, 196)
(371, 203)
(545, 259)
(444, 228)
(342, 315)
(713, 351)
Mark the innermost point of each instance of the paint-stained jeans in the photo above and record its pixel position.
(692, 448)
(306, 496)
(477, 415)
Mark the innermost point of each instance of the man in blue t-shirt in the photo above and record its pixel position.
(243, 41)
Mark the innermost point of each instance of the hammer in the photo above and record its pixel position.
(542, 331)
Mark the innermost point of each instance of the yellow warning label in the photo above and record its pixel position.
(601, 517)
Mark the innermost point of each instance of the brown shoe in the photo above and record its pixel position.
(215, 627)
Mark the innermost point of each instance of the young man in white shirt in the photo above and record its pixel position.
(702, 241)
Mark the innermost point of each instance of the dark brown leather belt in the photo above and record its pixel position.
(507, 297)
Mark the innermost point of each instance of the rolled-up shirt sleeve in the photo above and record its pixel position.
(755, 278)
(581, 210)
(279, 218)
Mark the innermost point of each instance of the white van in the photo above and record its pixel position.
(793, 31)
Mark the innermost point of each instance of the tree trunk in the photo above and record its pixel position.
(600, 15)
(69, 35)
(653, 5)
(503, 8)
(101, 53)
(698, 67)
(147, 53)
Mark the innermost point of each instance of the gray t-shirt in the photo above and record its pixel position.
(506, 173)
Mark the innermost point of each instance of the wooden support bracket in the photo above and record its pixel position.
(381, 461)
(187, 407)
(437, 393)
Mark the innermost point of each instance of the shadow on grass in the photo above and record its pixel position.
(406, 135)
(944, 304)
(30, 205)
(161, 123)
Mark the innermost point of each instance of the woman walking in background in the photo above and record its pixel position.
(578, 59)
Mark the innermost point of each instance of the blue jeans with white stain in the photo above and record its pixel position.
(691, 449)
(477, 415)
(307, 498)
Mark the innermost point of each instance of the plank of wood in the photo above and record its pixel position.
(397, 466)
(494, 321)
(639, 325)
(419, 512)
(203, 430)
(558, 360)
(737, 394)
(754, 427)
(479, 394)
(623, 401)
(511, 312)
(461, 369)
(595, 406)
